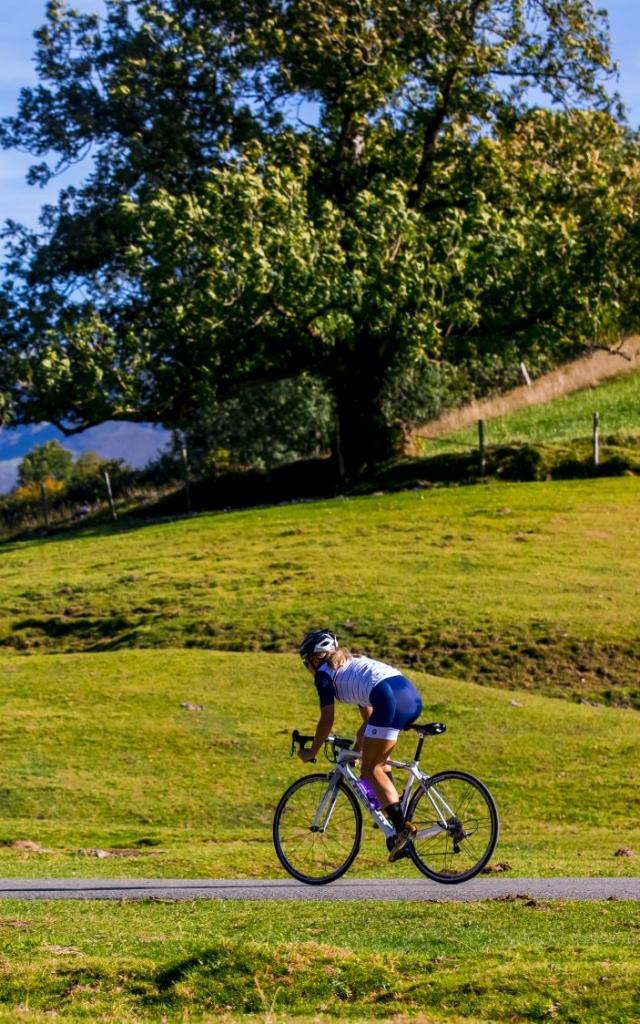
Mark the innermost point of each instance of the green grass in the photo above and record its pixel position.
(284, 962)
(563, 419)
(526, 585)
(530, 585)
(99, 754)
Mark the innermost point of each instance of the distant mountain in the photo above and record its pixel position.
(135, 443)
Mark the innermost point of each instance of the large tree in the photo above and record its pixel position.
(428, 209)
(48, 461)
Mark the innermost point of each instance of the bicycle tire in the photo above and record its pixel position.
(445, 875)
(353, 845)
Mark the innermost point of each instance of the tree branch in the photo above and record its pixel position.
(431, 132)
(440, 112)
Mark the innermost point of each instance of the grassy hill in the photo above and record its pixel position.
(297, 963)
(99, 753)
(525, 585)
(564, 419)
(105, 773)
(148, 698)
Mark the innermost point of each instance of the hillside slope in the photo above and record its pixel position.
(173, 761)
(563, 427)
(598, 366)
(532, 585)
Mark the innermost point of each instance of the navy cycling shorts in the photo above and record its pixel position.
(396, 704)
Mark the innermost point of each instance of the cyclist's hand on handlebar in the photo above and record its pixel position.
(306, 756)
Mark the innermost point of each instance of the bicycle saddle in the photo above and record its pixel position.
(428, 728)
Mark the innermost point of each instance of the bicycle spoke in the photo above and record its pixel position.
(468, 845)
(464, 847)
(463, 806)
(322, 854)
(446, 849)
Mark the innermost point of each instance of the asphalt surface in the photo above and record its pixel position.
(358, 889)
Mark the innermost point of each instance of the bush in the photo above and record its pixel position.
(261, 426)
(419, 393)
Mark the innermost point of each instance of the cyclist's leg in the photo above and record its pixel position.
(396, 704)
(380, 737)
(378, 731)
(374, 754)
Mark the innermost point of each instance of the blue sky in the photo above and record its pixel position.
(18, 20)
(137, 444)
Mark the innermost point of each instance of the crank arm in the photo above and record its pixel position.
(428, 833)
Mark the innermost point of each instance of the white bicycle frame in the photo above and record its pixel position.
(343, 771)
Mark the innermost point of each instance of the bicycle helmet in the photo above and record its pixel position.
(318, 641)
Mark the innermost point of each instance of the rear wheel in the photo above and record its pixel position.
(317, 830)
(457, 822)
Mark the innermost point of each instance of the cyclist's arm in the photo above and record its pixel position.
(366, 711)
(324, 686)
(323, 729)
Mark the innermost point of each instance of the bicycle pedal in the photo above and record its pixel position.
(403, 853)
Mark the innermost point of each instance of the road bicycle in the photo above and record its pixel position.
(317, 827)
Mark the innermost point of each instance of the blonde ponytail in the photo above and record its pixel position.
(336, 659)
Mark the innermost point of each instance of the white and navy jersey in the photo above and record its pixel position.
(353, 682)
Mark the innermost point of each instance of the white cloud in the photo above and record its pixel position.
(9, 439)
(136, 443)
(8, 474)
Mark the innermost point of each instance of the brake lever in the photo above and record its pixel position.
(301, 740)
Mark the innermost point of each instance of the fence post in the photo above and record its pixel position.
(187, 477)
(43, 502)
(596, 438)
(525, 375)
(341, 469)
(483, 457)
(107, 480)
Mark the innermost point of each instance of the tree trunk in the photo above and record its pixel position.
(365, 436)
(44, 505)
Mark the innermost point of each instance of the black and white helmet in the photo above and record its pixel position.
(318, 641)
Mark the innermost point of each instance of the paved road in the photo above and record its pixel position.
(357, 889)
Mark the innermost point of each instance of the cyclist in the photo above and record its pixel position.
(388, 703)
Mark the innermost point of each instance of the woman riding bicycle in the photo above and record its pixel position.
(388, 703)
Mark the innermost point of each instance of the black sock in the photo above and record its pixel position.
(395, 815)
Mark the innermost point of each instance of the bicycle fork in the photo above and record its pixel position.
(446, 815)
(322, 817)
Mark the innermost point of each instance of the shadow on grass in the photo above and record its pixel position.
(226, 975)
(92, 634)
(215, 960)
(250, 977)
(317, 480)
(73, 531)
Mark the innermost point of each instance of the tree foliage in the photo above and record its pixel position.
(431, 211)
(261, 425)
(48, 461)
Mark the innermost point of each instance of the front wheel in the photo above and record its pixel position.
(457, 822)
(317, 829)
